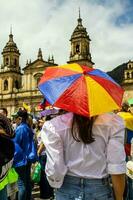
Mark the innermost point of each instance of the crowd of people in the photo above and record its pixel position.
(81, 158)
(21, 148)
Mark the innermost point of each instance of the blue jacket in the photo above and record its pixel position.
(23, 144)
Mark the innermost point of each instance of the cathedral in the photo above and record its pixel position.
(18, 86)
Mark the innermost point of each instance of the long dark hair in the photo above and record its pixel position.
(82, 129)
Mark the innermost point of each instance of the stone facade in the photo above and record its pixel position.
(16, 85)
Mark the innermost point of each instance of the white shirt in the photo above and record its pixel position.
(104, 156)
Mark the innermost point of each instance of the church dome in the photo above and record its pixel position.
(80, 31)
(10, 46)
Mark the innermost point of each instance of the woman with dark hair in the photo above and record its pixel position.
(81, 154)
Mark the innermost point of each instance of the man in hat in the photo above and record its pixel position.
(23, 149)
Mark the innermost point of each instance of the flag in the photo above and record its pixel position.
(26, 107)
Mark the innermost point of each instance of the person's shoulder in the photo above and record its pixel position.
(20, 126)
(60, 122)
(23, 127)
(109, 119)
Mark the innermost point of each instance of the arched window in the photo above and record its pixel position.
(37, 79)
(5, 85)
(15, 62)
(77, 48)
(7, 61)
(16, 84)
(128, 75)
(130, 66)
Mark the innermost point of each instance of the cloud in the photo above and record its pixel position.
(48, 24)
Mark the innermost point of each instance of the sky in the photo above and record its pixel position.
(49, 24)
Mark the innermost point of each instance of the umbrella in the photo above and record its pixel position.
(130, 101)
(80, 89)
(128, 119)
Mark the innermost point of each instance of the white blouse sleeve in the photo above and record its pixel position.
(115, 149)
(55, 166)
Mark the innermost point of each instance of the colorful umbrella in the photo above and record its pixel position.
(80, 89)
(128, 119)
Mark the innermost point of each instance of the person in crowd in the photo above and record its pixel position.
(127, 114)
(81, 154)
(4, 111)
(12, 187)
(46, 191)
(23, 154)
(7, 173)
(125, 107)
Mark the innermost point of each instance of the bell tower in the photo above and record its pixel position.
(11, 55)
(80, 45)
(10, 72)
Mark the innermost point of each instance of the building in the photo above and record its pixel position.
(128, 81)
(16, 85)
(20, 85)
(123, 75)
(80, 46)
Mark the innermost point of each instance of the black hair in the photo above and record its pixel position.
(51, 116)
(23, 114)
(84, 129)
(125, 107)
